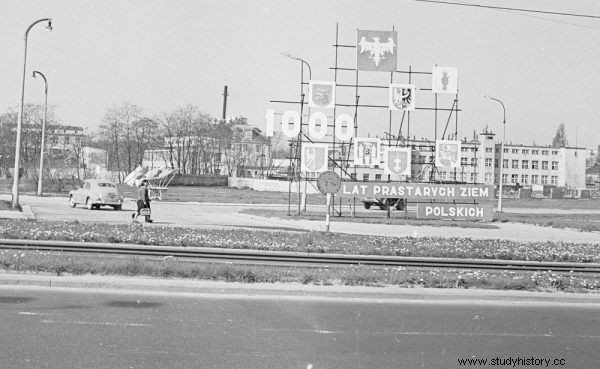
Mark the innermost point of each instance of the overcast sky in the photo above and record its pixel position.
(164, 54)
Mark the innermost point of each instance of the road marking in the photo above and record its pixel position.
(95, 323)
(30, 313)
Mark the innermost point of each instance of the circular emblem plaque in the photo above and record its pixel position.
(329, 182)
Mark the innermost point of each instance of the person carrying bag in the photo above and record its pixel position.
(143, 203)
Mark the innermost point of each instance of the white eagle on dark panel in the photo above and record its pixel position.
(376, 49)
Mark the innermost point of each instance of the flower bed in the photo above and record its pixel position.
(314, 242)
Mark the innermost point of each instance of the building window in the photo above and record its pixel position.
(554, 180)
(66, 140)
(544, 179)
(489, 150)
(473, 161)
(378, 177)
(554, 165)
(524, 178)
(496, 163)
(497, 150)
(535, 152)
(505, 178)
(554, 152)
(444, 175)
(463, 161)
(488, 178)
(514, 178)
(515, 164)
(505, 151)
(488, 162)
(515, 151)
(544, 152)
(504, 163)
(525, 152)
(535, 164)
(525, 164)
(464, 149)
(544, 165)
(473, 177)
(365, 176)
(534, 178)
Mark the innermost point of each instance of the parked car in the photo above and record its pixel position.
(383, 203)
(95, 193)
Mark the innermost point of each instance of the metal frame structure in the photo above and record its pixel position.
(342, 164)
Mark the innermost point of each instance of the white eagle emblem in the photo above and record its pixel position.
(376, 49)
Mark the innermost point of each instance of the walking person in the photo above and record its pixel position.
(143, 201)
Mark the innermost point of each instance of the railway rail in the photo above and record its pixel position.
(293, 258)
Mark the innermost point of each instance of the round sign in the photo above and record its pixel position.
(329, 182)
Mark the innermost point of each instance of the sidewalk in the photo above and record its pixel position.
(204, 215)
(292, 291)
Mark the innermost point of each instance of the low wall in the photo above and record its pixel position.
(193, 180)
(273, 185)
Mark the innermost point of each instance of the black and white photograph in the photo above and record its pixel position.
(406, 184)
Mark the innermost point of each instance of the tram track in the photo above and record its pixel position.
(292, 258)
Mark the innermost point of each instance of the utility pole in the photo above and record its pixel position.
(225, 94)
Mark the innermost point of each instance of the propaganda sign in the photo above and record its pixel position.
(376, 51)
(366, 151)
(417, 191)
(402, 97)
(314, 158)
(396, 161)
(321, 94)
(455, 211)
(444, 80)
(447, 154)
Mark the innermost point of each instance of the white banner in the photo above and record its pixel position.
(444, 80)
(396, 161)
(321, 94)
(447, 154)
(402, 97)
(367, 151)
(314, 157)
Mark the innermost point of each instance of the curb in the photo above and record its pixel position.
(221, 289)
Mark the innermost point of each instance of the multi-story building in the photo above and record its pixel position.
(522, 165)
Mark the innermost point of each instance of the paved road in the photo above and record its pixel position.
(50, 328)
(228, 215)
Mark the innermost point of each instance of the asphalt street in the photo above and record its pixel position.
(190, 214)
(54, 328)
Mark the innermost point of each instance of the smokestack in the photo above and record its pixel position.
(224, 103)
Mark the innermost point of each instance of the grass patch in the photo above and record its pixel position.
(80, 264)
(7, 205)
(581, 222)
(375, 217)
(306, 242)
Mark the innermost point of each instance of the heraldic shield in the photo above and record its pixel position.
(314, 158)
(447, 154)
(397, 161)
(321, 94)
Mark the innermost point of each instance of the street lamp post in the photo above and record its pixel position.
(15, 190)
(302, 64)
(39, 190)
(501, 150)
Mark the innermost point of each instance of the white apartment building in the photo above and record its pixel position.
(524, 165)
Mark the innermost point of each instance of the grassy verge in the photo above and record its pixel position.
(59, 264)
(581, 222)
(305, 242)
(374, 217)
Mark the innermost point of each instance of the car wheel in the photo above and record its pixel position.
(88, 204)
(72, 201)
(117, 207)
(367, 205)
